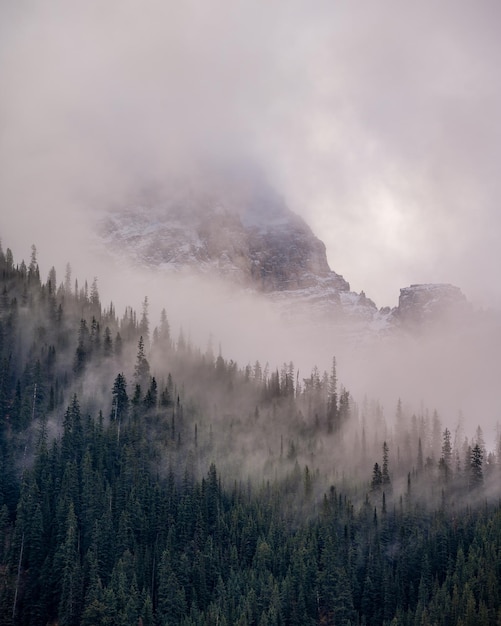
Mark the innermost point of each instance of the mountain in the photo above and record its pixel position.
(422, 304)
(238, 228)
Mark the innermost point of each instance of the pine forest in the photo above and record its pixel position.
(146, 481)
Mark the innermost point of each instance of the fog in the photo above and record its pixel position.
(378, 123)
(450, 367)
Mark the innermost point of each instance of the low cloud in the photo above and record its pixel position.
(379, 124)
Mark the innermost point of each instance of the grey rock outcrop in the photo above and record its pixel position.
(246, 233)
(428, 303)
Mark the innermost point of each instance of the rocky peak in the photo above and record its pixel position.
(426, 303)
(238, 227)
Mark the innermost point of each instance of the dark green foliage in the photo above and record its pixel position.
(150, 399)
(120, 402)
(385, 474)
(476, 462)
(377, 478)
(107, 343)
(83, 348)
(144, 516)
(117, 529)
(142, 369)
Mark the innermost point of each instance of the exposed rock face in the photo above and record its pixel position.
(421, 304)
(240, 229)
(244, 232)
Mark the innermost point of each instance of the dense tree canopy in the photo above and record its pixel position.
(145, 482)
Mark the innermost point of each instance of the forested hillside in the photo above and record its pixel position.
(144, 480)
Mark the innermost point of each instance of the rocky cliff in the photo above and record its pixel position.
(239, 228)
(423, 304)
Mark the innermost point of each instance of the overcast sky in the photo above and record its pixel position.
(379, 122)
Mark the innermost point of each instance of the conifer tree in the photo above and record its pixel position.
(94, 297)
(107, 343)
(144, 324)
(68, 559)
(150, 399)
(120, 403)
(377, 478)
(332, 402)
(67, 280)
(445, 463)
(385, 475)
(83, 348)
(142, 369)
(476, 470)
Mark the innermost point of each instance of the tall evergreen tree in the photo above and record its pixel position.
(83, 348)
(68, 560)
(142, 369)
(120, 403)
(385, 474)
(476, 469)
